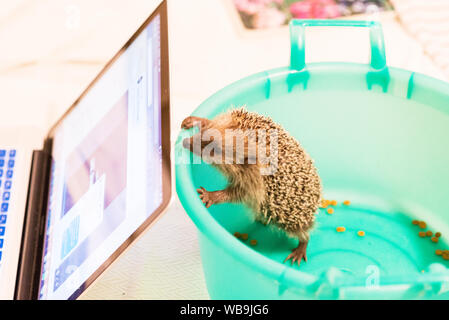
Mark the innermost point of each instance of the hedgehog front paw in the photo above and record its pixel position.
(213, 197)
(206, 196)
(189, 122)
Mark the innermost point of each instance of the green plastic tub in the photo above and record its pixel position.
(380, 138)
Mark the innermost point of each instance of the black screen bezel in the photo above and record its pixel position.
(161, 10)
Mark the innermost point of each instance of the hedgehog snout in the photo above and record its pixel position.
(193, 144)
(186, 143)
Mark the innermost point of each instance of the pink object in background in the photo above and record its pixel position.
(251, 6)
(257, 14)
(269, 17)
(301, 10)
(320, 9)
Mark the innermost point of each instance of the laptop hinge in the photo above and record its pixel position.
(28, 275)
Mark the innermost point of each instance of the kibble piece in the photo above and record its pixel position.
(434, 239)
(445, 256)
(253, 242)
(346, 202)
(422, 234)
(330, 211)
(415, 222)
(438, 252)
(237, 234)
(429, 233)
(438, 234)
(334, 202)
(361, 233)
(244, 236)
(325, 203)
(341, 229)
(446, 251)
(422, 224)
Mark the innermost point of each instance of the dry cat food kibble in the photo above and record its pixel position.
(334, 202)
(361, 233)
(330, 211)
(422, 234)
(244, 236)
(438, 234)
(429, 233)
(237, 234)
(325, 203)
(341, 229)
(346, 202)
(253, 242)
(422, 224)
(434, 239)
(415, 222)
(446, 256)
(438, 252)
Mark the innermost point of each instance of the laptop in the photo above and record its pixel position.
(99, 180)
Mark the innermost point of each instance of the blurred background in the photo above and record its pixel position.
(52, 49)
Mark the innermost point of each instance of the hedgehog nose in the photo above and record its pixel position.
(186, 143)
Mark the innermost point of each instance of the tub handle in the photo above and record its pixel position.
(379, 71)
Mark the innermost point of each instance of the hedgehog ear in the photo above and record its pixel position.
(249, 155)
(233, 155)
(251, 149)
(242, 150)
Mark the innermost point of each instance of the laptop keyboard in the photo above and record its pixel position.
(7, 164)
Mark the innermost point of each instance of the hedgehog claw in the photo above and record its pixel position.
(187, 123)
(192, 121)
(298, 254)
(206, 197)
(212, 197)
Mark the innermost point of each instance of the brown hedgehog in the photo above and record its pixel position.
(275, 177)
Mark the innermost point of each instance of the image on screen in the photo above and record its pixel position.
(106, 175)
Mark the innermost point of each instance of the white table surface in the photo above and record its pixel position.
(52, 49)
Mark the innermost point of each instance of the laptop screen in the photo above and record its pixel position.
(106, 176)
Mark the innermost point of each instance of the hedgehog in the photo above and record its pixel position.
(276, 177)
